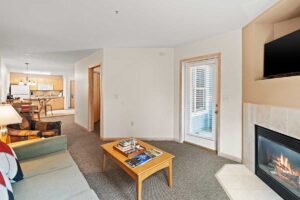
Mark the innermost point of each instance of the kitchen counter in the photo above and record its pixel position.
(56, 102)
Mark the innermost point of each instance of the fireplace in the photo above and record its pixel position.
(277, 162)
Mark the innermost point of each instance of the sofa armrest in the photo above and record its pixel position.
(39, 147)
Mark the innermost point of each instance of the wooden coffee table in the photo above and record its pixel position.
(142, 172)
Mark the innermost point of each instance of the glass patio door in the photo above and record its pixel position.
(200, 106)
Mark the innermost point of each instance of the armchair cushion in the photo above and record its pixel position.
(47, 126)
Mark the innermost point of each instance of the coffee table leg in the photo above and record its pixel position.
(139, 188)
(170, 179)
(104, 162)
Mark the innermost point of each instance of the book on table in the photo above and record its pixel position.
(142, 158)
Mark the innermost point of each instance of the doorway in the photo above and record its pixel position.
(94, 95)
(200, 93)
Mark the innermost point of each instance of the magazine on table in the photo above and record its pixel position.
(143, 157)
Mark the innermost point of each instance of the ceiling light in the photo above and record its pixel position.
(28, 82)
(117, 12)
(21, 82)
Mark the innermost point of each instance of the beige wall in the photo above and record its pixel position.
(276, 22)
(230, 46)
(138, 93)
(81, 86)
(4, 81)
(286, 27)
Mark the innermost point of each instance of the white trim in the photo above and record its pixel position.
(201, 136)
(145, 139)
(233, 158)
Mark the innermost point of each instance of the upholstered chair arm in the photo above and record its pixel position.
(14, 126)
(23, 133)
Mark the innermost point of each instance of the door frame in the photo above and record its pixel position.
(91, 99)
(218, 93)
(72, 86)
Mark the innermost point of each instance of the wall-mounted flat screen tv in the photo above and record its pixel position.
(282, 56)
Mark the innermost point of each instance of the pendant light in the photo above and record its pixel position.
(28, 81)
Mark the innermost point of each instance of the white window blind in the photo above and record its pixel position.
(198, 80)
(199, 98)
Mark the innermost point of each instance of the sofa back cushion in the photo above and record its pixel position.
(39, 147)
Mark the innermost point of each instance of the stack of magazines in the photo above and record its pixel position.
(128, 146)
(143, 157)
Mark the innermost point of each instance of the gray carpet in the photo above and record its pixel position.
(193, 170)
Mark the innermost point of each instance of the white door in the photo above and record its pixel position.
(200, 105)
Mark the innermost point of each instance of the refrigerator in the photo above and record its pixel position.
(21, 91)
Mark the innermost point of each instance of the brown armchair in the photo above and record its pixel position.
(30, 129)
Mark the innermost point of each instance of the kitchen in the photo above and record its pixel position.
(46, 91)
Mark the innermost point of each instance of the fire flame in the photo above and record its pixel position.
(283, 163)
(285, 171)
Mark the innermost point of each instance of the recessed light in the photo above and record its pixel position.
(117, 12)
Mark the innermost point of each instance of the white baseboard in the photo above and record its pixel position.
(233, 158)
(144, 139)
(81, 126)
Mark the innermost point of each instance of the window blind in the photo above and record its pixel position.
(199, 97)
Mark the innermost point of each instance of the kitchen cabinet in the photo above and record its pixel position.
(55, 80)
(58, 103)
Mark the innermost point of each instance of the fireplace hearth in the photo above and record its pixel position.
(277, 162)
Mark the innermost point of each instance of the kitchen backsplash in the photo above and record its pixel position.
(45, 93)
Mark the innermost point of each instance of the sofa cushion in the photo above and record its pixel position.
(48, 163)
(59, 184)
(9, 163)
(85, 195)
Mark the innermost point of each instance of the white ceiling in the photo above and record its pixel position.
(35, 26)
(49, 63)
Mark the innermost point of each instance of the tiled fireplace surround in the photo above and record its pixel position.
(280, 119)
(240, 182)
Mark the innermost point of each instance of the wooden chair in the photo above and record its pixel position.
(43, 103)
(49, 105)
(37, 110)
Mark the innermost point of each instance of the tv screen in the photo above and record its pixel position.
(282, 56)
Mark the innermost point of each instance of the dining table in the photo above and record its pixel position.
(43, 100)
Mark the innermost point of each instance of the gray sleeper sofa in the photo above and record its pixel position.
(49, 172)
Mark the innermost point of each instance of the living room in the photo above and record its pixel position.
(190, 106)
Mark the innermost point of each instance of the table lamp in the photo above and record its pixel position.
(8, 115)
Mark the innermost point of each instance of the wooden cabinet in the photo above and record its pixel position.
(56, 81)
(57, 104)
